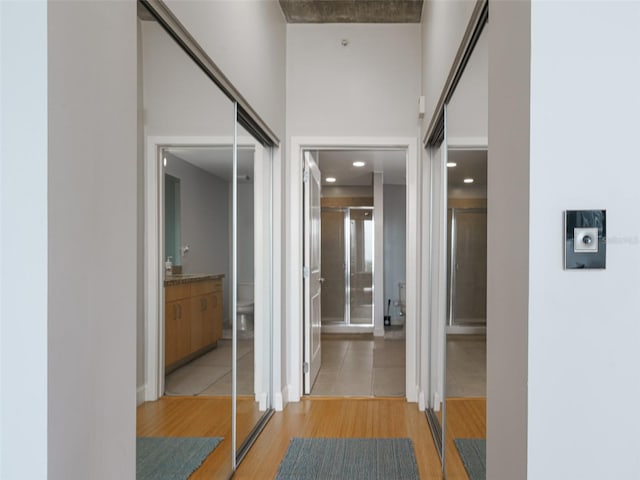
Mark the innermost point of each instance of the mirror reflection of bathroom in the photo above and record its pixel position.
(363, 224)
(198, 213)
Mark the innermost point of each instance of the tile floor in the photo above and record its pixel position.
(352, 365)
(466, 366)
(210, 374)
(361, 365)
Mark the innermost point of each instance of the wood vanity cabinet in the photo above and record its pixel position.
(193, 320)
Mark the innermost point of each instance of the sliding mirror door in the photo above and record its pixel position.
(251, 275)
(466, 267)
(187, 138)
(436, 179)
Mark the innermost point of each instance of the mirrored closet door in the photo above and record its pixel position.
(465, 181)
(208, 215)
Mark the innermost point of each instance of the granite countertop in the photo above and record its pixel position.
(181, 278)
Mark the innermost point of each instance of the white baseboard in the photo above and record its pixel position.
(281, 399)
(412, 393)
(140, 394)
(378, 332)
(261, 399)
(422, 404)
(291, 394)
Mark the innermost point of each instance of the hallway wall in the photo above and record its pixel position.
(23, 240)
(395, 260)
(368, 88)
(442, 28)
(246, 40)
(584, 126)
(562, 344)
(91, 240)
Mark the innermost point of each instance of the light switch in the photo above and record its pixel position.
(585, 239)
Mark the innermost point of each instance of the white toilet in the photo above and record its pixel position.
(245, 307)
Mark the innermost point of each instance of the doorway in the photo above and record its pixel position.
(362, 273)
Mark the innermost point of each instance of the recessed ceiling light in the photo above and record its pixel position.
(358, 164)
(330, 179)
(468, 180)
(452, 164)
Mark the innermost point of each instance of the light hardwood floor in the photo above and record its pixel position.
(199, 417)
(317, 417)
(346, 418)
(466, 418)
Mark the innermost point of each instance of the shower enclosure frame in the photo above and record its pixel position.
(346, 323)
(452, 325)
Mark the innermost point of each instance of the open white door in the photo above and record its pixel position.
(312, 280)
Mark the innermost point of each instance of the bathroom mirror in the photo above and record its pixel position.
(465, 257)
(187, 128)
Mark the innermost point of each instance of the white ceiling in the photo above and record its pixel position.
(470, 164)
(218, 159)
(339, 164)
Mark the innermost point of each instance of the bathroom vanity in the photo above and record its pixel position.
(192, 315)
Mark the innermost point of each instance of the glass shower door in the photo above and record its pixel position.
(333, 266)
(361, 254)
(468, 301)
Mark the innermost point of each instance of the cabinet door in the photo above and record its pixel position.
(208, 319)
(170, 333)
(184, 328)
(177, 333)
(217, 315)
(202, 323)
(198, 311)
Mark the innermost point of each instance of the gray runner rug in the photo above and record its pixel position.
(171, 458)
(349, 459)
(473, 452)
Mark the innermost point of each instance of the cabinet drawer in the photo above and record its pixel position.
(208, 286)
(177, 292)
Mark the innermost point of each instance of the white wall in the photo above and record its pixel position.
(91, 240)
(507, 249)
(369, 87)
(583, 325)
(394, 243)
(23, 240)
(468, 110)
(443, 25)
(562, 344)
(246, 236)
(140, 321)
(246, 40)
(179, 99)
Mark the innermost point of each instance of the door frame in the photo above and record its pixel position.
(153, 259)
(295, 248)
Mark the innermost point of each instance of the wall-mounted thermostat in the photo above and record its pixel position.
(585, 241)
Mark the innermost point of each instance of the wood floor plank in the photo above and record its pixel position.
(466, 418)
(344, 418)
(192, 417)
